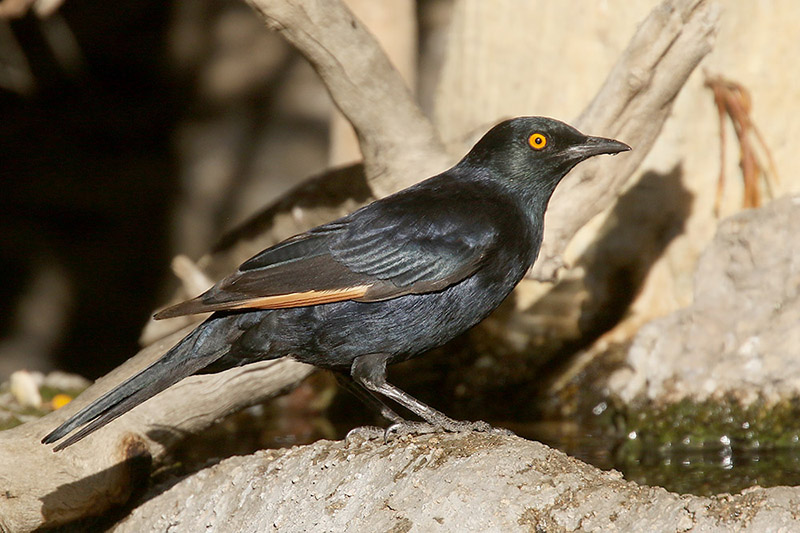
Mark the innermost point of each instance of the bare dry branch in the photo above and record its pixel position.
(632, 106)
(399, 144)
(101, 471)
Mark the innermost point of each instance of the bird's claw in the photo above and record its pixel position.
(479, 426)
(453, 426)
(400, 429)
(364, 433)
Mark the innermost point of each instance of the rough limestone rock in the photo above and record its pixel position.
(441, 483)
(741, 336)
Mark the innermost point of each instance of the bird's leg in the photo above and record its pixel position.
(368, 397)
(370, 372)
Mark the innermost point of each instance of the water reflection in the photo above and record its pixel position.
(682, 469)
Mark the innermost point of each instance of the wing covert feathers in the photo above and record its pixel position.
(278, 301)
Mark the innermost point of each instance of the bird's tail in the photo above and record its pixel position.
(194, 352)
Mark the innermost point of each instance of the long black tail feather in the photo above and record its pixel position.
(184, 359)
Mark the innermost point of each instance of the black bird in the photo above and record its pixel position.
(388, 282)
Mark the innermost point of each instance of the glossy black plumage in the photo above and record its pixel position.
(388, 282)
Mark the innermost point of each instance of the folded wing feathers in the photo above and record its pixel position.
(298, 299)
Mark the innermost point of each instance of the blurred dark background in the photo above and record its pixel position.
(88, 178)
(99, 164)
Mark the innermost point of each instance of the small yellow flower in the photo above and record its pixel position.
(60, 400)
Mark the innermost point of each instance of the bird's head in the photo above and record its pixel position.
(531, 154)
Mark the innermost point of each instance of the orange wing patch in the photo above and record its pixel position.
(299, 299)
(277, 301)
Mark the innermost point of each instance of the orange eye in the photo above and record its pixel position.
(537, 141)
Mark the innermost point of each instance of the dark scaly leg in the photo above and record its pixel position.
(370, 372)
(368, 397)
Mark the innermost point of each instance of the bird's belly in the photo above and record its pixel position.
(403, 327)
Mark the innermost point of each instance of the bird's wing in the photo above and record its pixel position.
(382, 251)
(416, 242)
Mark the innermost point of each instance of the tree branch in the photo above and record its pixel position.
(632, 105)
(399, 144)
(102, 470)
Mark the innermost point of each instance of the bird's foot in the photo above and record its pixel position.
(407, 427)
(463, 426)
(448, 425)
(365, 433)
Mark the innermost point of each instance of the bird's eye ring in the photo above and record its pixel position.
(537, 141)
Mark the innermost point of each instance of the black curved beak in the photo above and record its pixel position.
(592, 146)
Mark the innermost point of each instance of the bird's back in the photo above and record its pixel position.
(332, 335)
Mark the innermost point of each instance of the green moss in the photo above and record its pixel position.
(711, 424)
(707, 473)
(706, 447)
